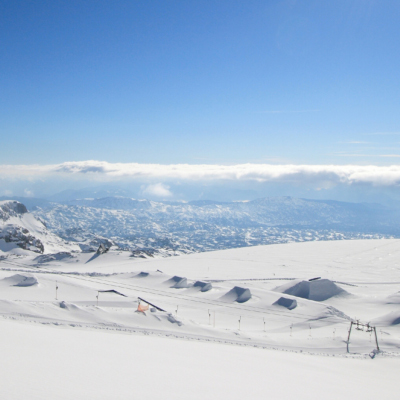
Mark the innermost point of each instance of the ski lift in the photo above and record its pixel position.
(358, 326)
(369, 329)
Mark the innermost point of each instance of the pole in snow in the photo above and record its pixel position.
(348, 337)
(56, 290)
(209, 317)
(264, 323)
(376, 340)
(291, 327)
(176, 311)
(97, 297)
(239, 322)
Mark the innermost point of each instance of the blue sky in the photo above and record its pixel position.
(200, 82)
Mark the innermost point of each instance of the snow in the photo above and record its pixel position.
(239, 294)
(392, 318)
(26, 233)
(64, 337)
(20, 280)
(285, 302)
(318, 290)
(164, 229)
(49, 362)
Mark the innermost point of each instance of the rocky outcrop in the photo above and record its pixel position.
(13, 230)
(22, 238)
(11, 208)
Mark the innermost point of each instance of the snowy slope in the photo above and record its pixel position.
(221, 308)
(95, 341)
(48, 362)
(22, 233)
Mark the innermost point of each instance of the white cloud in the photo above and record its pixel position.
(158, 190)
(103, 171)
(28, 193)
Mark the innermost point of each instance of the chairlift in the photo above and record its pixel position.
(358, 327)
(369, 329)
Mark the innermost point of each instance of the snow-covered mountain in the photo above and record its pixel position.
(146, 226)
(21, 231)
(152, 229)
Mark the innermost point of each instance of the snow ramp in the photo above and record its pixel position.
(177, 282)
(290, 304)
(203, 286)
(238, 294)
(317, 290)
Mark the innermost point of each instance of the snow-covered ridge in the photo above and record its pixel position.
(22, 233)
(210, 225)
(152, 229)
(11, 208)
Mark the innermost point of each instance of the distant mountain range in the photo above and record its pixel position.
(148, 227)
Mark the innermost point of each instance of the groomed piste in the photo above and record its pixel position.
(256, 299)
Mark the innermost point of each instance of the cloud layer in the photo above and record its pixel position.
(101, 170)
(158, 190)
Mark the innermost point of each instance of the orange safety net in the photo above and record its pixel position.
(142, 308)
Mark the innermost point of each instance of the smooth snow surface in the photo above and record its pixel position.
(47, 362)
(70, 332)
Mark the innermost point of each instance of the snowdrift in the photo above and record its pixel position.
(142, 275)
(21, 280)
(317, 290)
(68, 306)
(393, 318)
(238, 294)
(45, 258)
(394, 298)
